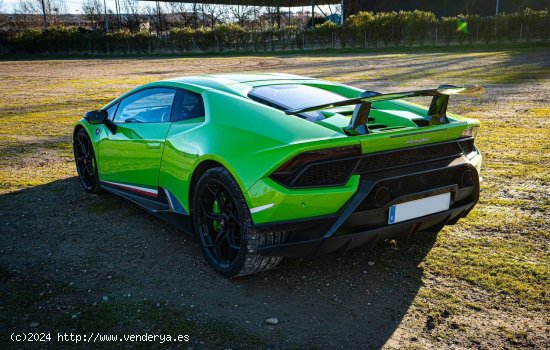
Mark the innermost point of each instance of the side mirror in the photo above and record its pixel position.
(100, 117)
(96, 117)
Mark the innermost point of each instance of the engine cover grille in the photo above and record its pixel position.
(336, 172)
(393, 159)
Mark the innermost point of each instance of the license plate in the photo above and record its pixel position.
(419, 207)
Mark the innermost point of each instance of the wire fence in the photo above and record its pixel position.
(359, 32)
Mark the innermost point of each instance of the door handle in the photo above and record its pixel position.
(153, 145)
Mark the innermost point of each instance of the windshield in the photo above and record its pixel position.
(295, 96)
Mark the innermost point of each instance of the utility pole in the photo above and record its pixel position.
(341, 12)
(44, 14)
(289, 17)
(289, 14)
(117, 9)
(195, 16)
(496, 11)
(312, 13)
(159, 18)
(106, 17)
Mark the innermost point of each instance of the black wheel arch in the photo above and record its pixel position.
(200, 169)
(76, 130)
(95, 187)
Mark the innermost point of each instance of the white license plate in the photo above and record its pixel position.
(419, 207)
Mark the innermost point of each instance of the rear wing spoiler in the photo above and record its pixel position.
(437, 113)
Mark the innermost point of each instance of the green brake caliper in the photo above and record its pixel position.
(216, 210)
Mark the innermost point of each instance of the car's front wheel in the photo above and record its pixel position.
(86, 164)
(224, 227)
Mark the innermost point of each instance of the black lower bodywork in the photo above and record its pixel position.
(161, 207)
(363, 220)
(387, 179)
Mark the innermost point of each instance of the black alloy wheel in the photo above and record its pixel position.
(86, 165)
(224, 226)
(219, 224)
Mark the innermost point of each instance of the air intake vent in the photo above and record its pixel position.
(467, 146)
(323, 174)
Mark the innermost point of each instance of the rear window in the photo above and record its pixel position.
(293, 96)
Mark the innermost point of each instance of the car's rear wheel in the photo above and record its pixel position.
(224, 227)
(86, 164)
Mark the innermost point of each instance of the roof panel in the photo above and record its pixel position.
(224, 79)
(238, 83)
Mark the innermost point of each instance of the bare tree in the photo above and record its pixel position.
(93, 12)
(272, 15)
(212, 14)
(256, 22)
(5, 21)
(23, 21)
(187, 13)
(157, 17)
(50, 9)
(242, 13)
(132, 16)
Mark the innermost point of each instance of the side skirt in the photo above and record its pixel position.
(161, 203)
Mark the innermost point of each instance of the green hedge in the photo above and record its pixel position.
(420, 27)
(364, 29)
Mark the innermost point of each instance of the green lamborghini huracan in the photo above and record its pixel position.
(266, 166)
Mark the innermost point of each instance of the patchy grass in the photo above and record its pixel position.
(501, 74)
(539, 112)
(514, 267)
(495, 259)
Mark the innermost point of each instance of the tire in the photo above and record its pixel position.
(86, 163)
(225, 231)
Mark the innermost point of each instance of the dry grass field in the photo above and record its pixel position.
(70, 261)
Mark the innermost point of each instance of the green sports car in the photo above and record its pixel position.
(266, 166)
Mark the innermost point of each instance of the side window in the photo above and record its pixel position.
(147, 106)
(187, 105)
(111, 111)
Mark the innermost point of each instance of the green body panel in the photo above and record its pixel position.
(180, 158)
(252, 140)
(291, 204)
(132, 155)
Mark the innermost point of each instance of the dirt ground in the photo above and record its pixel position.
(74, 262)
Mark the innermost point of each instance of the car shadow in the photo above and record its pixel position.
(57, 233)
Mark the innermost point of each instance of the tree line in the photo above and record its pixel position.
(364, 29)
(134, 16)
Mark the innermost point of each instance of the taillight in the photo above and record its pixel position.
(470, 132)
(286, 171)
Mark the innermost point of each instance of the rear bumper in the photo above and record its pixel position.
(342, 243)
(360, 223)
